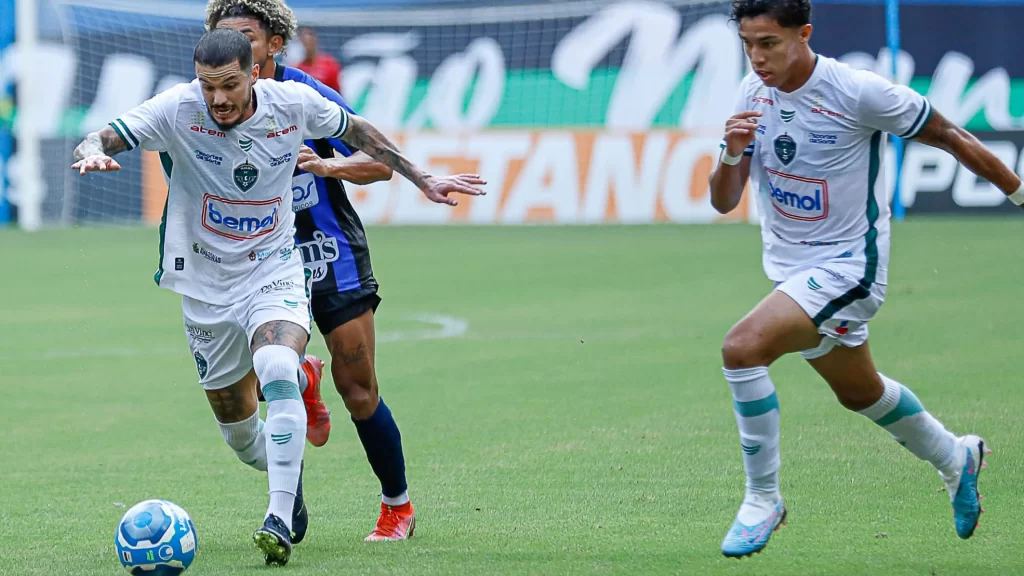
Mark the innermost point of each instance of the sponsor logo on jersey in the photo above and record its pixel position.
(198, 334)
(817, 243)
(240, 219)
(285, 254)
(817, 138)
(276, 161)
(318, 253)
(179, 264)
(304, 192)
(246, 175)
(201, 250)
(211, 158)
(277, 286)
(785, 148)
(286, 131)
(761, 129)
(787, 115)
(797, 197)
(763, 100)
(260, 256)
(835, 275)
(203, 130)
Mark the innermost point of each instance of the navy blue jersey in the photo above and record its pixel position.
(328, 232)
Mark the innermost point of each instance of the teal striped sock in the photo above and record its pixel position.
(902, 415)
(756, 408)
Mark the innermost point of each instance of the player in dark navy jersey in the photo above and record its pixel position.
(333, 246)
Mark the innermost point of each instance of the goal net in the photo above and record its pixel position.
(579, 111)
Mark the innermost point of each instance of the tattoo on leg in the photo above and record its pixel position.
(283, 333)
(353, 356)
(234, 403)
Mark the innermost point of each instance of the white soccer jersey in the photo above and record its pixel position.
(817, 166)
(228, 221)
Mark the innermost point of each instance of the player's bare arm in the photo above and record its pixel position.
(962, 145)
(729, 178)
(364, 136)
(281, 333)
(358, 168)
(94, 153)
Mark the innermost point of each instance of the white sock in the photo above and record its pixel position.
(903, 416)
(246, 439)
(757, 415)
(400, 500)
(285, 430)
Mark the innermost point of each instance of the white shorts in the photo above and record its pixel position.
(838, 300)
(220, 336)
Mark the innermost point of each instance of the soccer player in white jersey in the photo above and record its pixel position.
(229, 146)
(809, 133)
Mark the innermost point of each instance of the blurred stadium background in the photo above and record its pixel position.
(579, 111)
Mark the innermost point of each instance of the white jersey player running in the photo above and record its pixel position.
(809, 133)
(229, 146)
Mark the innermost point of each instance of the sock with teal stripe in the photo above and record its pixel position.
(285, 431)
(903, 416)
(757, 415)
(246, 439)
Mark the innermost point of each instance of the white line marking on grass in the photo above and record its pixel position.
(443, 327)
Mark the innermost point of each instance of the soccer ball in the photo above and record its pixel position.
(156, 538)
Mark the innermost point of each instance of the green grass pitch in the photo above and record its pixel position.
(579, 425)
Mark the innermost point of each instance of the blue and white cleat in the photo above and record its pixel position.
(962, 484)
(274, 541)
(759, 516)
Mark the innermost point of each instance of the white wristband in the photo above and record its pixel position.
(730, 160)
(1018, 196)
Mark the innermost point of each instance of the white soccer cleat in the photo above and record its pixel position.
(962, 483)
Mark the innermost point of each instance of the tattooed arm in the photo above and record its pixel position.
(365, 137)
(94, 153)
(962, 145)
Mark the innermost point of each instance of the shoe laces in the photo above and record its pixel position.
(388, 521)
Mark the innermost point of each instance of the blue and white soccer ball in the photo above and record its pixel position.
(156, 538)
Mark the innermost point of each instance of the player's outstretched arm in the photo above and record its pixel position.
(365, 137)
(358, 168)
(94, 153)
(969, 151)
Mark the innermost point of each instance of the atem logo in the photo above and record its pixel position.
(240, 219)
(288, 130)
(797, 197)
(204, 130)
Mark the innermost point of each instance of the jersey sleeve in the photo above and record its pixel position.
(149, 125)
(742, 105)
(324, 118)
(891, 108)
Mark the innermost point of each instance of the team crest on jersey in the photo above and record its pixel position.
(246, 174)
(785, 148)
(201, 365)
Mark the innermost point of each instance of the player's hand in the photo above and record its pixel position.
(97, 163)
(740, 131)
(439, 187)
(310, 162)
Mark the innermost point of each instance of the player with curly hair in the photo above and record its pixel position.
(333, 245)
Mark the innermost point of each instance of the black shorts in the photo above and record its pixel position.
(334, 309)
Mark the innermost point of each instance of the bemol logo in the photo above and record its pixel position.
(798, 197)
(239, 219)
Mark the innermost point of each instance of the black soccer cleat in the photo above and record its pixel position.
(300, 516)
(274, 541)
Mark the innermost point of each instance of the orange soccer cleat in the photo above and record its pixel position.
(318, 417)
(395, 523)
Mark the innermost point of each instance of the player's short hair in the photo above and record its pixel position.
(221, 47)
(276, 18)
(788, 13)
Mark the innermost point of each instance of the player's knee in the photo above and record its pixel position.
(857, 396)
(742, 349)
